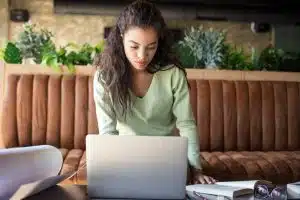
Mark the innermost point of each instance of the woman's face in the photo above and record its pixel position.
(140, 45)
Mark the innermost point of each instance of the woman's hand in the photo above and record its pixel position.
(200, 178)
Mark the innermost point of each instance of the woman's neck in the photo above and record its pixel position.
(136, 72)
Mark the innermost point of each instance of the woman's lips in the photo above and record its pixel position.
(141, 63)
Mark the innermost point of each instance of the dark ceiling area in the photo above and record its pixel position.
(286, 12)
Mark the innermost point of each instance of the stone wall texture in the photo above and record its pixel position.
(90, 28)
(3, 22)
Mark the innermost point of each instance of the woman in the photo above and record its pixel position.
(139, 87)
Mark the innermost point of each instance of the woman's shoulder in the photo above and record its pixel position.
(98, 82)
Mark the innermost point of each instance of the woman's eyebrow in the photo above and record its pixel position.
(152, 43)
(133, 41)
(138, 43)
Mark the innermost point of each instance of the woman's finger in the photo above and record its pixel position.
(197, 181)
(202, 180)
(214, 180)
(208, 179)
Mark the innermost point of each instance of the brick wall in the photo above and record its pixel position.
(85, 28)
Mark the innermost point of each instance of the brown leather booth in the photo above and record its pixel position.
(248, 122)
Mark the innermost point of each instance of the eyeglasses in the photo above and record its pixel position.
(275, 193)
(261, 192)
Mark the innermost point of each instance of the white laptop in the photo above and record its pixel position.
(136, 167)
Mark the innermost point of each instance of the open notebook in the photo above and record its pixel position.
(26, 171)
(293, 190)
(227, 190)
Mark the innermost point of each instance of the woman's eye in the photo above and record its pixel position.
(151, 48)
(133, 47)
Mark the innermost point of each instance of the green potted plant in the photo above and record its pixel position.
(236, 59)
(71, 55)
(11, 54)
(271, 58)
(32, 42)
(35, 46)
(206, 46)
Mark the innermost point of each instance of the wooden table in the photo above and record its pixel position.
(76, 192)
(62, 192)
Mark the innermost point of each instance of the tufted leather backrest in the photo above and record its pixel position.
(247, 115)
(231, 114)
(57, 110)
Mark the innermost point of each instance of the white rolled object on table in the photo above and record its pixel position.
(22, 165)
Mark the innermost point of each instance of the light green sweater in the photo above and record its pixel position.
(165, 104)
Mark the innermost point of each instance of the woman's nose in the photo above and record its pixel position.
(142, 54)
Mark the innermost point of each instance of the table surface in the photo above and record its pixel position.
(72, 192)
(62, 192)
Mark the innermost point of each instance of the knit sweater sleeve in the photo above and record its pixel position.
(106, 116)
(185, 121)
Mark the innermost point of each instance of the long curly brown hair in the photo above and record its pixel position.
(112, 64)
